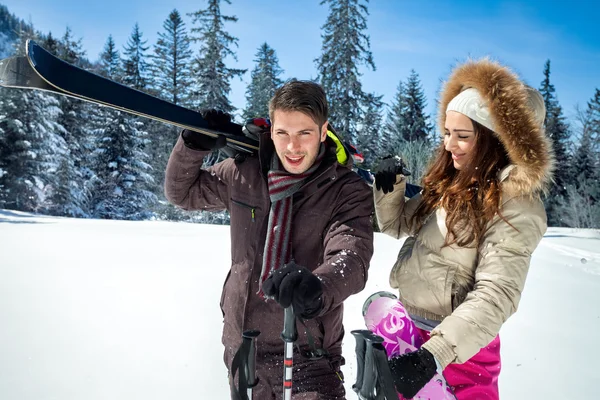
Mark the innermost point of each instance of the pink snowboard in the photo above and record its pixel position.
(386, 316)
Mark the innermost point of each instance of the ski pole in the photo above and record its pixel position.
(244, 365)
(289, 336)
(359, 336)
(250, 367)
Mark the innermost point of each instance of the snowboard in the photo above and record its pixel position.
(386, 317)
(41, 70)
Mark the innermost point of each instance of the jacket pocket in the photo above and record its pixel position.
(252, 209)
(403, 255)
(450, 290)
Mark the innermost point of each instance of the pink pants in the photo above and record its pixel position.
(476, 379)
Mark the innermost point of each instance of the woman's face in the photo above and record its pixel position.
(459, 138)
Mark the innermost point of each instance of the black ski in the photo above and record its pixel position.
(43, 71)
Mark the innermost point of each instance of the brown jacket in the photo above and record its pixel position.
(331, 235)
(473, 290)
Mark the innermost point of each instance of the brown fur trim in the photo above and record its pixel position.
(524, 139)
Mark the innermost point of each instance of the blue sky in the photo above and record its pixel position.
(429, 36)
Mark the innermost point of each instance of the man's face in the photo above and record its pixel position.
(297, 139)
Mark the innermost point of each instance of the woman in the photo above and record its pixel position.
(471, 230)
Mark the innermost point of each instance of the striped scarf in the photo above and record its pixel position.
(282, 186)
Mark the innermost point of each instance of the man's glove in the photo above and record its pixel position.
(297, 286)
(200, 141)
(388, 169)
(412, 371)
(217, 121)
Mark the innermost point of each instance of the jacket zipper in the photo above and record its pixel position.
(252, 208)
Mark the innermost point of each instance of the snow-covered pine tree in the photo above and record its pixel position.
(30, 147)
(392, 133)
(407, 120)
(581, 206)
(265, 80)
(71, 196)
(417, 125)
(210, 74)
(123, 177)
(558, 131)
(346, 47)
(170, 65)
(368, 139)
(171, 80)
(110, 61)
(50, 43)
(10, 28)
(135, 64)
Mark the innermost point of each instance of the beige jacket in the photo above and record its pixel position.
(473, 291)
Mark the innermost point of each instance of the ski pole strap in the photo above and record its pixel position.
(244, 362)
(313, 352)
(316, 353)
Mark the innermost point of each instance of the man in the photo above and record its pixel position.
(301, 235)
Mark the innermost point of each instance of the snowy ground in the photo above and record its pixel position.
(118, 310)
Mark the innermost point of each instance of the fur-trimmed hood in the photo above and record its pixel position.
(517, 125)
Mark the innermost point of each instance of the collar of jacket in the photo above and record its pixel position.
(325, 173)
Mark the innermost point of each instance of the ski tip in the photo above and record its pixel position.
(374, 297)
(30, 47)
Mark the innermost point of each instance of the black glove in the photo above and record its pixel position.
(385, 175)
(217, 121)
(297, 286)
(412, 371)
(200, 141)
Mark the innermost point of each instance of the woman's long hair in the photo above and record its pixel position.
(471, 196)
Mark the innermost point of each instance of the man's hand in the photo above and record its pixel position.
(297, 286)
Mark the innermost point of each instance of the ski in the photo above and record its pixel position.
(41, 70)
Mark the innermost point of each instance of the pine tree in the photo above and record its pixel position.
(558, 131)
(110, 65)
(581, 207)
(69, 49)
(122, 172)
(172, 80)
(171, 61)
(407, 120)
(11, 29)
(392, 134)
(135, 65)
(74, 118)
(51, 44)
(368, 136)
(122, 175)
(417, 126)
(212, 76)
(30, 147)
(345, 48)
(265, 80)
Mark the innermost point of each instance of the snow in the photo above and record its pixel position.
(101, 309)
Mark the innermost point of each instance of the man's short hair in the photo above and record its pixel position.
(305, 96)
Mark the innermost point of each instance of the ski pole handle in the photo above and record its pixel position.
(289, 334)
(250, 367)
(359, 336)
